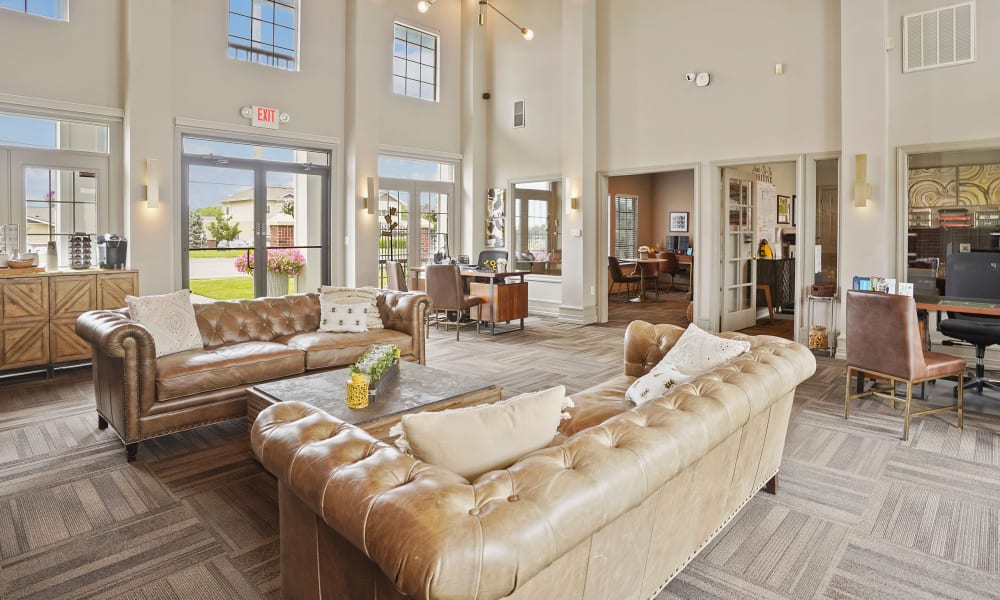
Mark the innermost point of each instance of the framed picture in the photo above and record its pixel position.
(496, 213)
(679, 221)
(785, 210)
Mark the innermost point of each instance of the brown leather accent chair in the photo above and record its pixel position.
(447, 294)
(883, 340)
(618, 276)
(395, 279)
(671, 267)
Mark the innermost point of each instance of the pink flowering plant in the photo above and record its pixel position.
(288, 262)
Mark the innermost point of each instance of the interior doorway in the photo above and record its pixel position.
(760, 225)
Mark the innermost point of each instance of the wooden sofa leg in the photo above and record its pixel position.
(131, 450)
(102, 423)
(771, 487)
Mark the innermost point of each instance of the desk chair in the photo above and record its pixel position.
(486, 255)
(671, 267)
(974, 275)
(446, 293)
(883, 340)
(617, 276)
(648, 272)
(394, 277)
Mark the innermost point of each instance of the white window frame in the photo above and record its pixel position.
(437, 62)
(629, 248)
(63, 11)
(296, 58)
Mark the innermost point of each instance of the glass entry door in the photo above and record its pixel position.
(256, 218)
(739, 277)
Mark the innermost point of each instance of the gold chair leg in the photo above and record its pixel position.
(892, 393)
(906, 417)
(960, 400)
(847, 394)
(458, 324)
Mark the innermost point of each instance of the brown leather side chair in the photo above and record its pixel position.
(394, 278)
(447, 294)
(671, 267)
(883, 340)
(617, 276)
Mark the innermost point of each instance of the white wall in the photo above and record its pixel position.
(76, 61)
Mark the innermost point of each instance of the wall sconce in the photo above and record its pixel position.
(572, 202)
(862, 190)
(370, 199)
(152, 180)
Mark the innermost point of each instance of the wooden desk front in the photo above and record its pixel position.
(505, 301)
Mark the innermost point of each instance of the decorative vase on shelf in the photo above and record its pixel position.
(277, 284)
(51, 257)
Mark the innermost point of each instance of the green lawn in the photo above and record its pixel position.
(229, 288)
(226, 253)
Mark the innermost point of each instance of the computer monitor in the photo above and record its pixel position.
(973, 275)
(924, 281)
(677, 243)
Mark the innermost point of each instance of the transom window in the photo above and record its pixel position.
(414, 63)
(263, 32)
(51, 9)
(626, 227)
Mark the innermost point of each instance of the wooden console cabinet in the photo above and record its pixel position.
(38, 313)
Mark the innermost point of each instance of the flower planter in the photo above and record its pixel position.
(277, 284)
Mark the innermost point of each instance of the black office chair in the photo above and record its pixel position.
(974, 275)
(493, 255)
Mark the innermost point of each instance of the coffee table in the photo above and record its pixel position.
(416, 389)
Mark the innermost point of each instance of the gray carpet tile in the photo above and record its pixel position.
(859, 513)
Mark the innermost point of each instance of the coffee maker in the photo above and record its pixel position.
(111, 251)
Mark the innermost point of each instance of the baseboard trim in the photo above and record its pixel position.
(544, 308)
(578, 315)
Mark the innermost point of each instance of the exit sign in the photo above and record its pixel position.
(264, 116)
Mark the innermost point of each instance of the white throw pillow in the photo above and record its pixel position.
(343, 318)
(694, 353)
(170, 320)
(478, 439)
(660, 381)
(698, 351)
(346, 295)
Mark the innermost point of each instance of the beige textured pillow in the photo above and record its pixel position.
(698, 351)
(346, 295)
(169, 319)
(475, 440)
(343, 318)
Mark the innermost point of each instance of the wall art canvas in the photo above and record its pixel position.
(496, 207)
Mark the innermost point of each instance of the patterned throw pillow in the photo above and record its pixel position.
(694, 353)
(343, 318)
(346, 295)
(170, 320)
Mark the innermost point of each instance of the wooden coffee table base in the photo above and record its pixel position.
(416, 389)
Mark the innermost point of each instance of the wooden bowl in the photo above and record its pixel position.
(19, 264)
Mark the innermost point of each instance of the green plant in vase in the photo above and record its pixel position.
(376, 361)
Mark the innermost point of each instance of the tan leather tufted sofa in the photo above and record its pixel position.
(612, 511)
(246, 342)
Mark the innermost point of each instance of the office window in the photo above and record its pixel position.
(263, 32)
(414, 63)
(51, 9)
(626, 227)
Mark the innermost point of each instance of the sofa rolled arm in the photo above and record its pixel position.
(107, 330)
(406, 312)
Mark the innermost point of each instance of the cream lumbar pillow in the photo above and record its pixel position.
(696, 352)
(478, 439)
(343, 318)
(170, 320)
(346, 295)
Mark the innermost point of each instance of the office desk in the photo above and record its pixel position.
(970, 306)
(504, 301)
(686, 259)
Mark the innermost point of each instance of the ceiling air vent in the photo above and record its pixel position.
(942, 37)
(518, 113)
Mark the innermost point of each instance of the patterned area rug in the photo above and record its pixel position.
(859, 514)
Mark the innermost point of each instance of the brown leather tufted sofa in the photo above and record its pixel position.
(613, 510)
(246, 342)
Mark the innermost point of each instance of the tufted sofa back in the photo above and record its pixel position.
(260, 320)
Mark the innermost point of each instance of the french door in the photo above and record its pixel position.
(739, 276)
(254, 226)
(413, 221)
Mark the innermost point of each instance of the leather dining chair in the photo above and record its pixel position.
(883, 340)
(671, 267)
(447, 294)
(619, 277)
(394, 278)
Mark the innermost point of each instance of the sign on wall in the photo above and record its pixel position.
(264, 116)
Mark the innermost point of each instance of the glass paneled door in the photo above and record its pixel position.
(739, 276)
(403, 236)
(256, 221)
